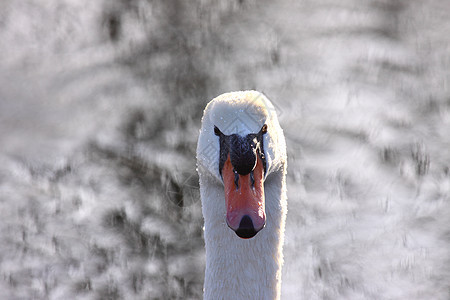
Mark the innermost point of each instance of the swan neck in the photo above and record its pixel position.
(243, 268)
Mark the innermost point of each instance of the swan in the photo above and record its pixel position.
(241, 162)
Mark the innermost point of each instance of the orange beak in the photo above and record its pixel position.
(244, 197)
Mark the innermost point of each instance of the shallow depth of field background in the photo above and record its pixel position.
(100, 106)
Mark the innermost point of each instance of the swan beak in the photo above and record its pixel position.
(244, 197)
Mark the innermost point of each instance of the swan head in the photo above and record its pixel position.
(238, 147)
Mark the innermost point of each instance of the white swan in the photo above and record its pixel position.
(241, 160)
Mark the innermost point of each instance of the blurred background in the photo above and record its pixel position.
(100, 107)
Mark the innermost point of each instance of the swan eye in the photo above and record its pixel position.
(264, 129)
(236, 179)
(217, 131)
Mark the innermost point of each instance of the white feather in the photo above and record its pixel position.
(237, 268)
